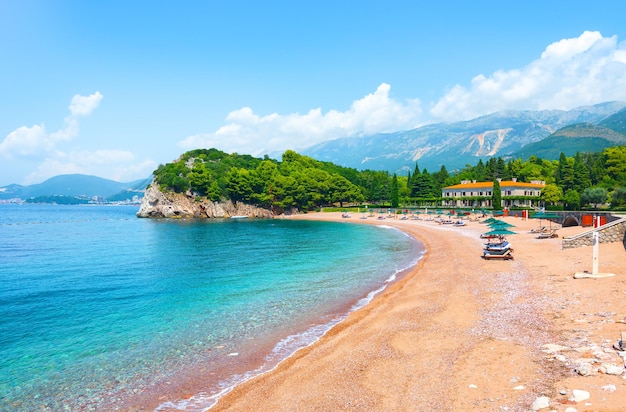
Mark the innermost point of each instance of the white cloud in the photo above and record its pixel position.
(247, 132)
(37, 141)
(119, 165)
(49, 154)
(574, 72)
(84, 105)
(26, 141)
(586, 70)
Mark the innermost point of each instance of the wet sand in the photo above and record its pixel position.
(459, 333)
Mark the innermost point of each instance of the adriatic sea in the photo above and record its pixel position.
(98, 306)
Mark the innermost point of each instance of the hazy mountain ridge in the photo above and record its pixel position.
(457, 144)
(77, 185)
(544, 133)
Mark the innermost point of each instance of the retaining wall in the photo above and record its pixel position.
(611, 232)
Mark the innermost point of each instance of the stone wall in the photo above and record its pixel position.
(611, 232)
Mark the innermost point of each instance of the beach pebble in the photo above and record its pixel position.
(571, 409)
(561, 358)
(612, 369)
(551, 347)
(541, 402)
(473, 386)
(519, 388)
(578, 395)
(609, 388)
(584, 369)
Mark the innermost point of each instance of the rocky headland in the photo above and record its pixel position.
(158, 204)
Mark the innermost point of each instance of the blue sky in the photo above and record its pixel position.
(114, 88)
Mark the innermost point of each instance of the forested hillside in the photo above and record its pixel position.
(304, 183)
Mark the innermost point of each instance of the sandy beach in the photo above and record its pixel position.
(459, 333)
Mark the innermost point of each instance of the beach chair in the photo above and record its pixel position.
(542, 229)
(498, 256)
(548, 235)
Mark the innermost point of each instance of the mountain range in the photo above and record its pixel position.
(508, 134)
(77, 185)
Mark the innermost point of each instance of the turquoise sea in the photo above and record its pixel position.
(99, 308)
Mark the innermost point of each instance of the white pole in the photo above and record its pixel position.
(595, 242)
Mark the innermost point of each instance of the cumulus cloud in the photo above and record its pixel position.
(247, 132)
(111, 164)
(585, 70)
(49, 154)
(37, 141)
(573, 72)
(84, 105)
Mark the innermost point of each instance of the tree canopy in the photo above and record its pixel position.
(301, 182)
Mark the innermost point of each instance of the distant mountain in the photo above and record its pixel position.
(581, 137)
(616, 122)
(460, 143)
(77, 185)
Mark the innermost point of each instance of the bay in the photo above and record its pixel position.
(97, 306)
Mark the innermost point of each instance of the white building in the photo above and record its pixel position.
(478, 194)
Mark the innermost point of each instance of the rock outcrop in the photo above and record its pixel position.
(177, 205)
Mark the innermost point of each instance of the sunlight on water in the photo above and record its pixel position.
(97, 305)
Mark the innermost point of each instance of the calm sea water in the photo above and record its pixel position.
(97, 306)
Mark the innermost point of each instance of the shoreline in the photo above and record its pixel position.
(198, 386)
(461, 333)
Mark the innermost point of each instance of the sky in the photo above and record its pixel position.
(114, 88)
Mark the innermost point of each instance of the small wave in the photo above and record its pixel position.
(283, 350)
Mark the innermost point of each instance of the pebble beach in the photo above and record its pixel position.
(463, 333)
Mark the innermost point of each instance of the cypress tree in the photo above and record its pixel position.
(395, 194)
(496, 195)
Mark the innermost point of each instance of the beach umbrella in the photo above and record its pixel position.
(497, 224)
(545, 215)
(500, 232)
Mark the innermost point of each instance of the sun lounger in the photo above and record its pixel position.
(547, 235)
(498, 256)
(540, 230)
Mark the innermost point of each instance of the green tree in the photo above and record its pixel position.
(615, 164)
(567, 180)
(480, 172)
(395, 195)
(594, 196)
(423, 186)
(513, 167)
(496, 195)
(618, 197)
(551, 194)
(582, 177)
(571, 200)
(440, 178)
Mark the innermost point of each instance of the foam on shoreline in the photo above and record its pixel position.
(286, 347)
